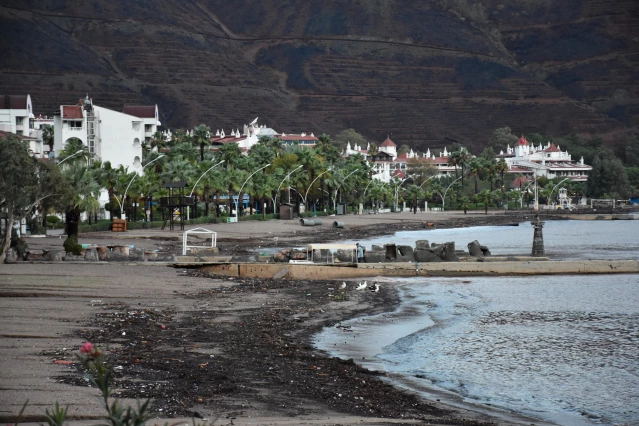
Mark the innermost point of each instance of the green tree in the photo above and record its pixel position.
(608, 175)
(48, 136)
(202, 137)
(413, 193)
(349, 135)
(464, 203)
(501, 138)
(19, 185)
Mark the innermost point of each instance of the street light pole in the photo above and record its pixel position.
(555, 187)
(200, 178)
(311, 185)
(122, 215)
(280, 186)
(397, 192)
(338, 186)
(70, 156)
(444, 197)
(434, 176)
(237, 207)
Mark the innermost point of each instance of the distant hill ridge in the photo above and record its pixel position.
(423, 71)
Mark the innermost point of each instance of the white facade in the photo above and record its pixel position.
(16, 113)
(110, 135)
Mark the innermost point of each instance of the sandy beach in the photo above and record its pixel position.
(237, 351)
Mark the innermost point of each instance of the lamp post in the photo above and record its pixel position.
(280, 186)
(555, 187)
(397, 192)
(237, 207)
(122, 215)
(338, 186)
(196, 182)
(311, 185)
(444, 197)
(424, 182)
(70, 156)
(521, 196)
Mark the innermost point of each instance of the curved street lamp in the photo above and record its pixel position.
(555, 187)
(200, 178)
(397, 192)
(311, 185)
(338, 186)
(444, 197)
(434, 176)
(278, 188)
(122, 215)
(237, 207)
(70, 156)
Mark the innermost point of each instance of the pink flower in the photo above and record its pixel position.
(86, 348)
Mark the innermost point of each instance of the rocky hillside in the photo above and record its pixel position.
(427, 72)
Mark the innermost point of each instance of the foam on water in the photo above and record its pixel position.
(561, 348)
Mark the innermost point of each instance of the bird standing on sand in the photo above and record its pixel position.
(361, 286)
(376, 288)
(343, 286)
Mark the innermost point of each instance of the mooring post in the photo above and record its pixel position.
(538, 237)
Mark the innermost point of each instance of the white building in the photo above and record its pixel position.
(549, 161)
(16, 116)
(110, 135)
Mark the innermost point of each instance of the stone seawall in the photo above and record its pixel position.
(411, 269)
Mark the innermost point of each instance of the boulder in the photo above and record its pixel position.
(116, 256)
(346, 256)
(448, 253)
(136, 254)
(377, 248)
(150, 255)
(426, 255)
(374, 257)
(103, 253)
(56, 255)
(166, 257)
(91, 255)
(122, 250)
(485, 250)
(70, 257)
(298, 255)
(474, 249)
(422, 244)
(280, 257)
(433, 245)
(12, 256)
(405, 254)
(36, 255)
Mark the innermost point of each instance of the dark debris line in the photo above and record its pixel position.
(191, 364)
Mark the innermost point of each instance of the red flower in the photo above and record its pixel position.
(86, 348)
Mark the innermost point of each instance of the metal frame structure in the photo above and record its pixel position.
(174, 205)
(186, 247)
(332, 248)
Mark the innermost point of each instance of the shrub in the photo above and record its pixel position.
(53, 220)
(71, 245)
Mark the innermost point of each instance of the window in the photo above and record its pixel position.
(148, 128)
(75, 124)
(136, 126)
(18, 121)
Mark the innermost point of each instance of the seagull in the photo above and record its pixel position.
(343, 286)
(361, 286)
(376, 289)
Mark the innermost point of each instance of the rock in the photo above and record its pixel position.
(461, 253)
(115, 256)
(286, 252)
(166, 257)
(136, 255)
(377, 248)
(433, 245)
(374, 257)
(103, 253)
(422, 244)
(70, 257)
(36, 255)
(485, 250)
(56, 255)
(346, 256)
(425, 255)
(150, 255)
(91, 255)
(448, 253)
(280, 257)
(475, 249)
(12, 256)
(405, 254)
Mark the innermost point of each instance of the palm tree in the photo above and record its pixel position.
(147, 185)
(202, 137)
(485, 197)
(231, 154)
(83, 194)
(464, 203)
(413, 193)
(501, 167)
(107, 177)
(48, 136)
(178, 169)
(475, 169)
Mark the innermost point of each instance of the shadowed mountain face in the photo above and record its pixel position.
(423, 71)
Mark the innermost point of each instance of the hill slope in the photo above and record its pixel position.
(423, 71)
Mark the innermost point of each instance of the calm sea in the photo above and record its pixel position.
(559, 348)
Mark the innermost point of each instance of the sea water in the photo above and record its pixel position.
(559, 348)
(563, 239)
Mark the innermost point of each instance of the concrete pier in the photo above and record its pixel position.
(411, 269)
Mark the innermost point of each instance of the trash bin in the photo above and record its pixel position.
(341, 208)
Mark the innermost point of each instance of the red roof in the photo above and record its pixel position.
(140, 111)
(399, 173)
(72, 111)
(552, 148)
(388, 142)
(522, 141)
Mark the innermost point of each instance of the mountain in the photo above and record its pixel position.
(426, 72)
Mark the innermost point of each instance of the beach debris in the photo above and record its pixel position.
(63, 362)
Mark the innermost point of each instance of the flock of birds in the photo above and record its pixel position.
(363, 285)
